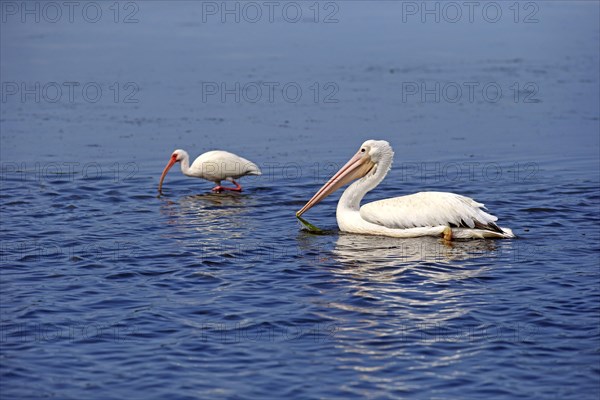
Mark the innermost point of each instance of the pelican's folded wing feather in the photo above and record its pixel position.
(426, 209)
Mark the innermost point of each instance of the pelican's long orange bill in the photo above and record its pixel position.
(172, 161)
(356, 168)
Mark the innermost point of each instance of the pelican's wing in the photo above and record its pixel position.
(429, 209)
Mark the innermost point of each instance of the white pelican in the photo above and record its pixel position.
(420, 214)
(214, 166)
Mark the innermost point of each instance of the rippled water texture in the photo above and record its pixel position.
(108, 291)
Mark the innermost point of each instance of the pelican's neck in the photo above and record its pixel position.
(351, 198)
(185, 163)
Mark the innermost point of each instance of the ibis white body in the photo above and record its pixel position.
(215, 166)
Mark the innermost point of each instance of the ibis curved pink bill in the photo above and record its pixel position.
(215, 166)
(421, 214)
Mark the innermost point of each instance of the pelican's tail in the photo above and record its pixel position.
(508, 233)
(466, 233)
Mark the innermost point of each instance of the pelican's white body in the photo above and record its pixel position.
(420, 214)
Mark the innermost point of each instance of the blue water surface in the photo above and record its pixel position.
(109, 291)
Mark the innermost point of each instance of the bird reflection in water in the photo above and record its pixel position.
(364, 251)
(379, 259)
(216, 221)
(403, 294)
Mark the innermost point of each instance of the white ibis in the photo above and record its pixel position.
(214, 166)
(420, 214)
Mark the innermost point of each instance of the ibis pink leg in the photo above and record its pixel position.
(220, 188)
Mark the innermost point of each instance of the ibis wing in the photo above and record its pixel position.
(217, 165)
(429, 209)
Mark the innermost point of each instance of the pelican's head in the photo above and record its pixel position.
(377, 150)
(177, 156)
(365, 161)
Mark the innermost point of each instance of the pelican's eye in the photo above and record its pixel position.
(362, 150)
